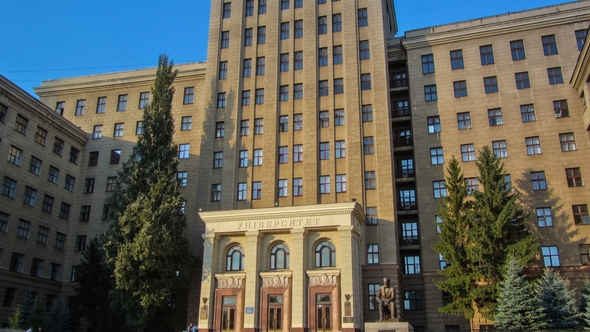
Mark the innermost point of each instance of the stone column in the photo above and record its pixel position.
(252, 284)
(208, 282)
(297, 255)
(350, 278)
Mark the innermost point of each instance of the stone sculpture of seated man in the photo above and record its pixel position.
(386, 300)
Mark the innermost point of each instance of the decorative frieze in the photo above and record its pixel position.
(324, 279)
(276, 281)
(230, 282)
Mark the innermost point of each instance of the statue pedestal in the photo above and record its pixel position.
(388, 326)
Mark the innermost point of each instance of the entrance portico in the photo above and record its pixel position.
(283, 269)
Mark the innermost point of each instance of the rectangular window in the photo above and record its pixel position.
(495, 117)
(490, 84)
(97, 132)
(338, 117)
(337, 51)
(144, 99)
(80, 107)
(218, 159)
(59, 107)
(93, 158)
(368, 145)
(8, 187)
(42, 235)
(367, 111)
(409, 233)
(323, 57)
(457, 59)
(324, 151)
(581, 38)
(283, 154)
(261, 35)
(567, 141)
(527, 112)
(64, 211)
(139, 128)
(585, 254)
(499, 148)
(550, 256)
(363, 18)
(436, 156)
(297, 187)
(365, 81)
(35, 165)
(487, 55)
(340, 149)
(245, 128)
(297, 153)
(298, 91)
(464, 121)
(427, 64)
(258, 126)
(574, 177)
(221, 100)
(338, 86)
(460, 88)
(322, 25)
(30, 196)
(20, 124)
(538, 180)
(533, 145)
(243, 158)
(85, 213)
(101, 105)
(323, 88)
(285, 4)
(336, 22)
(22, 230)
(581, 214)
(561, 109)
(549, 45)
(47, 203)
(438, 189)
(246, 98)
(216, 192)
(433, 124)
(364, 51)
(115, 157)
(517, 50)
(467, 152)
(106, 209)
(16, 264)
(119, 129)
(371, 215)
(411, 264)
(223, 70)
(89, 185)
(224, 39)
(184, 151)
(257, 160)
(259, 96)
(111, 181)
(373, 291)
(522, 80)
(182, 178)
(298, 3)
(297, 121)
(284, 93)
(53, 174)
(219, 129)
(282, 188)
(40, 136)
(554, 75)
(372, 254)
(242, 191)
(122, 103)
(248, 36)
(430, 93)
(54, 271)
(261, 7)
(298, 63)
(472, 185)
(298, 32)
(69, 184)
(247, 71)
(60, 240)
(285, 31)
(58, 146)
(324, 184)
(227, 10)
(186, 123)
(284, 58)
(370, 180)
(340, 183)
(544, 217)
(256, 190)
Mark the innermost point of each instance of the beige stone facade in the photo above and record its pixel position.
(307, 129)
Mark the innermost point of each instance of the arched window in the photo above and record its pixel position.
(279, 257)
(325, 254)
(234, 261)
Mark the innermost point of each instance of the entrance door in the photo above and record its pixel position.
(324, 312)
(275, 313)
(228, 313)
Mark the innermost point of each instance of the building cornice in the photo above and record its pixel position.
(497, 25)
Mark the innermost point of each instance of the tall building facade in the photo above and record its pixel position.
(312, 147)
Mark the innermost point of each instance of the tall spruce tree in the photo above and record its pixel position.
(517, 309)
(478, 233)
(145, 244)
(584, 310)
(26, 312)
(58, 319)
(557, 301)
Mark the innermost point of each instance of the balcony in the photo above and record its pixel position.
(409, 240)
(398, 112)
(404, 173)
(406, 206)
(398, 80)
(403, 141)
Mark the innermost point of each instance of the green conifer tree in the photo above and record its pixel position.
(58, 319)
(584, 319)
(13, 320)
(557, 301)
(145, 244)
(517, 306)
(26, 312)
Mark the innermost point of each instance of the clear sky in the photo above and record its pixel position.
(43, 40)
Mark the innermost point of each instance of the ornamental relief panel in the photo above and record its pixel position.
(275, 281)
(230, 282)
(323, 280)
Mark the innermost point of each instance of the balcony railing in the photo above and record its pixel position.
(410, 205)
(398, 80)
(398, 112)
(403, 141)
(409, 240)
(404, 173)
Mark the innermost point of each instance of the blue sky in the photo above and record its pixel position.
(44, 40)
